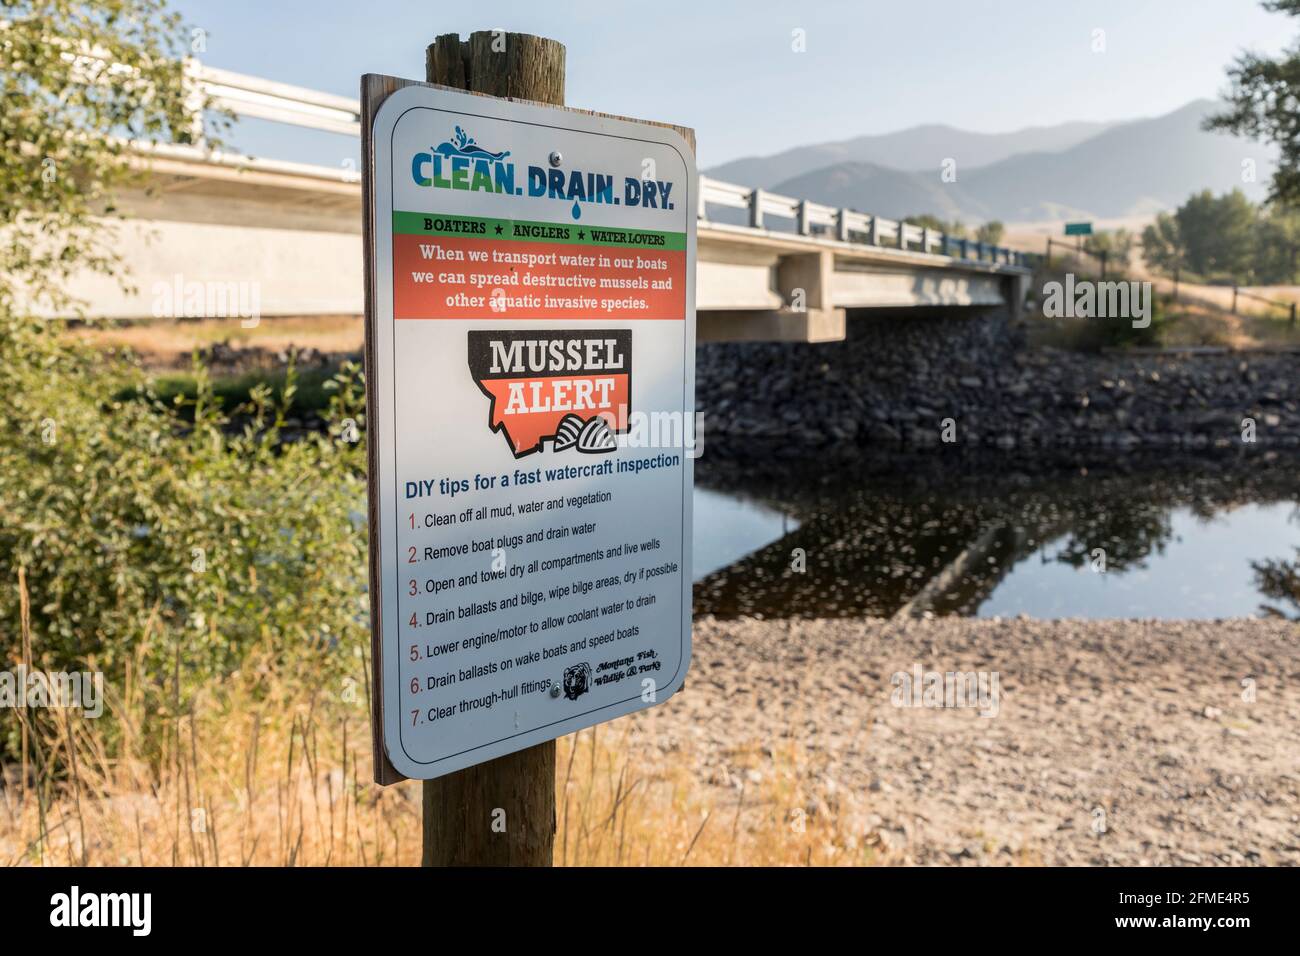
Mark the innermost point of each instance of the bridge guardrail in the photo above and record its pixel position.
(254, 97)
(811, 217)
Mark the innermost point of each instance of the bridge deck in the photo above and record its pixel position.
(293, 230)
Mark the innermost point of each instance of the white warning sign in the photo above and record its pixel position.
(530, 354)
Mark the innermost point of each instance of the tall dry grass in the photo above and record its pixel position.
(267, 769)
(278, 782)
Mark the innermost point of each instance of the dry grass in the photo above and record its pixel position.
(281, 781)
(271, 769)
(620, 801)
(1201, 316)
(168, 343)
(1194, 323)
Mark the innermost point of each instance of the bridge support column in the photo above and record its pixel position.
(1017, 287)
(803, 280)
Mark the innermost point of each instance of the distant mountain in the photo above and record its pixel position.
(920, 148)
(1131, 169)
(1135, 169)
(886, 192)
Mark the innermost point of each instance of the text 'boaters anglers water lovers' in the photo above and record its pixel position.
(532, 308)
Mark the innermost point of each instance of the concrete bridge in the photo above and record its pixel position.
(770, 267)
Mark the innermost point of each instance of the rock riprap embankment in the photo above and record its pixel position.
(898, 380)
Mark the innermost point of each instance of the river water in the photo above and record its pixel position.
(1188, 539)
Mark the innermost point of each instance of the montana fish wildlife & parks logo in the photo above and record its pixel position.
(571, 388)
(577, 680)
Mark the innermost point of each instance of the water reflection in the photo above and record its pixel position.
(1279, 580)
(1200, 568)
(1192, 539)
(730, 526)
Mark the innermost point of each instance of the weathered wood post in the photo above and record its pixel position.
(499, 813)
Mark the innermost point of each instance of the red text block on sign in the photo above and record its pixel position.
(442, 277)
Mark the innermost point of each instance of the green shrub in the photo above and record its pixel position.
(1095, 334)
(312, 390)
(150, 534)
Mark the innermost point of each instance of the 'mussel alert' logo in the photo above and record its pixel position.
(569, 387)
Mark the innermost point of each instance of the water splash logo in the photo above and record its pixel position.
(460, 143)
(461, 163)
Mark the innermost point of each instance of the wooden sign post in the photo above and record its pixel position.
(502, 427)
(459, 808)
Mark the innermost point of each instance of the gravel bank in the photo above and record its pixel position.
(1114, 742)
(894, 381)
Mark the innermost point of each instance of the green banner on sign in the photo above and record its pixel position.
(471, 227)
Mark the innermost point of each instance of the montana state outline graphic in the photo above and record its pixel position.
(571, 388)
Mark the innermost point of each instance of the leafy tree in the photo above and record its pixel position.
(1278, 246)
(1264, 104)
(991, 232)
(1116, 245)
(929, 221)
(1227, 236)
(1162, 244)
(1218, 234)
(82, 82)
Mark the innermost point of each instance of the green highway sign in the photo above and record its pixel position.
(1078, 229)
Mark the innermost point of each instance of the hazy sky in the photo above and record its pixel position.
(728, 69)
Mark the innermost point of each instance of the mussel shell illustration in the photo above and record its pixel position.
(566, 434)
(596, 437)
